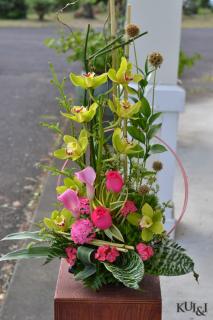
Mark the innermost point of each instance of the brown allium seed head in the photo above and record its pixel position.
(157, 165)
(144, 189)
(132, 30)
(156, 59)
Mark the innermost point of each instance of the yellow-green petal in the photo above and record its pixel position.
(134, 219)
(78, 81)
(157, 228)
(61, 154)
(99, 80)
(146, 235)
(147, 210)
(112, 75)
(122, 70)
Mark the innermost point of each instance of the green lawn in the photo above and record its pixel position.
(202, 20)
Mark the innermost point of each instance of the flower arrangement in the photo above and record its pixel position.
(109, 222)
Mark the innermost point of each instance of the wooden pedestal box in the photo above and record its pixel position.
(74, 302)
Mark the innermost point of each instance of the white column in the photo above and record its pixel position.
(162, 20)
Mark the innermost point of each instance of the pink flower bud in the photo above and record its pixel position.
(101, 218)
(114, 181)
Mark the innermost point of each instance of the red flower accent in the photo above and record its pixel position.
(114, 181)
(71, 255)
(107, 253)
(101, 218)
(84, 206)
(145, 252)
(129, 207)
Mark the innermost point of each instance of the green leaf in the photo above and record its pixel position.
(154, 117)
(169, 259)
(145, 107)
(85, 254)
(134, 219)
(153, 130)
(114, 232)
(157, 148)
(146, 235)
(87, 272)
(136, 134)
(35, 235)
(130, 271)
(32, 252)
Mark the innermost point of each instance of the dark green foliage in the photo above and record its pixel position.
(41, 7)
(101, 278)
(13, 9)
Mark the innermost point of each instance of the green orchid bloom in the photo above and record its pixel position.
(81, 114)
(74, 148)
(151, 222)
(122, 145)
(124, 109)
(59, 220)
(72, 183)
(88, 80)
(124, 74)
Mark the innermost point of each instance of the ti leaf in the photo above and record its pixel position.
(34, 235)
(27, 253)
(114, 232)
(86, 272)
(85, 254)
(169, 259)
(130, 271)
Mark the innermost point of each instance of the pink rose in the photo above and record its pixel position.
(71, 255)
(114, 181)
(145, 251)
(101, 218)
(107, 253)
(129, 207)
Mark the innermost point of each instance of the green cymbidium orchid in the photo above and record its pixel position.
(71, 183)
(151, 222)
(59, 220)
(124, 74)
(122, 145)
(81, 114)
(124, 109)
(88, 80)
(74, 148)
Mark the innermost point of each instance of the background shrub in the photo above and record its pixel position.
(41, 7)
(13, 9)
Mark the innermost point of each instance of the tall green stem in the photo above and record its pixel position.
(153, 91)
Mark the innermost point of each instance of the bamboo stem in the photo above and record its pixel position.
(113, 36)
(111, 244)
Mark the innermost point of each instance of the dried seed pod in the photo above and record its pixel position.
(157, 165)
(156, 59)
(132, 30)
(144, 189)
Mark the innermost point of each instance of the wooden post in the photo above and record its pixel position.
(74, 302)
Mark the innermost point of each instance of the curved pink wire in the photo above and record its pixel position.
(186, 184)
(184, 175)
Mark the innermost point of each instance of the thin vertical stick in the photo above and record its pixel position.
(113, 36)
(128, 21)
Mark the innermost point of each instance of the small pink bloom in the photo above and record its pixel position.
(114, 181)
(145, 251)
(129, 207)
(101, 218)
(82, 231)
(107, 253)
(84, 206)
(87, 176)
(71, 201)
(71, 255)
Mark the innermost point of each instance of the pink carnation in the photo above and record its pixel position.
(129, 207)
(107, 253)
(71, 255)
(82, 231)
(101, 218)
(84, 206)
(114, 181)
(145, 252)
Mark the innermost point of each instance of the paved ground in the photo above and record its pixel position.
(196, 150)
(26, 95)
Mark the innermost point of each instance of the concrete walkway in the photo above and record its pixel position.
(195, 232)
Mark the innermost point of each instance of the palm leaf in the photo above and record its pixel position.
(35, 235)
(131, 270)
(27, 253)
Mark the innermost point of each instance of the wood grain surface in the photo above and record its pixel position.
(74, 302)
